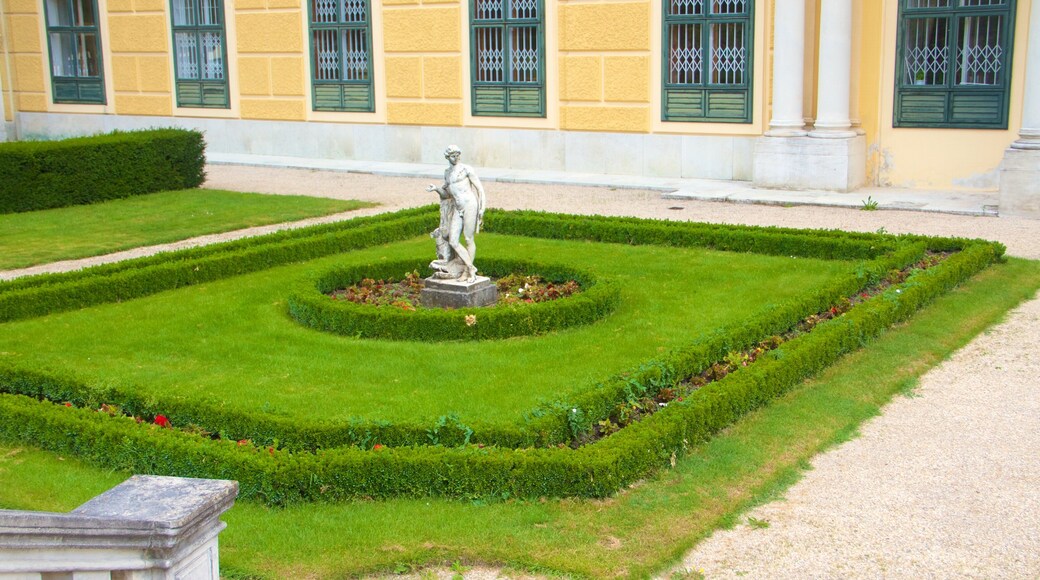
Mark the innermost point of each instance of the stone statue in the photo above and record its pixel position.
(462, 215)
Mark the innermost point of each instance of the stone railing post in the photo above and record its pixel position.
(148, 527)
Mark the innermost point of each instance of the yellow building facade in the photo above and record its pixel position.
(821, 94)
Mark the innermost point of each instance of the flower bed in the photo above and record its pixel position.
(310, 305)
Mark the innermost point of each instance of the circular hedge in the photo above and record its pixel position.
(309, 305)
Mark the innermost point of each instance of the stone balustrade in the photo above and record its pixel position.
(148, 527)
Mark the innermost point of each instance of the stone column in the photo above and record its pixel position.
(1020, 170)
(857, 56)
(1029, 133)
(788, 119)
(832, 101)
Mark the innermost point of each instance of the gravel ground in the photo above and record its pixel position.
(943, 484)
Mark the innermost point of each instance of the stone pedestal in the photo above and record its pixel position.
(146, 528)
(438, 293)
(1020, 183)
(810, 163)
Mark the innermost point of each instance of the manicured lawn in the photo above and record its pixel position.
(80, 231)
(232, 340)
(635, 534)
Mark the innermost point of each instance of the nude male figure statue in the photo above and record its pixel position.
(462, 213)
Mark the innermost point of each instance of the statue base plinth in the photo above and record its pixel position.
(438, 293)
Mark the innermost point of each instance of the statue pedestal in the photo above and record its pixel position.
(438, 293)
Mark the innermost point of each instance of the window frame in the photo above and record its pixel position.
(369, 105)
(950, 91)
(181, 85)
(78, 81)
(508, 86)
(707, 89)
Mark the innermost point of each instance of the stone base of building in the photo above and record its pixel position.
(1020, 183)
(725, 157)
(810, 163)
(6, 130)
(437, 293)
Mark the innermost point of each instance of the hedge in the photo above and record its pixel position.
(548, 425)
(310, 460)
(48, 174)
(279, 476)
(57, 293)
(309, 305)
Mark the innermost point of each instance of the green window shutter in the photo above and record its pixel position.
(74, 43)
(707, 57)
(200, 53)
(954, 63)
(341, 55)
(507, 40)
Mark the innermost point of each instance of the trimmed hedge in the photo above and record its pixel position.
(42, 295)
(279, 476)
(309, 305)
(48, 174)
(310, 460)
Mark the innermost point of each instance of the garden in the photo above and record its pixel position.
(691, 374)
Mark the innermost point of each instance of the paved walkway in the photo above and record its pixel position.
(944, 484)
(953, 202)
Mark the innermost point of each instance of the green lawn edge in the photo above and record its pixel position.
(641, 531)
(592, 471)
(83, 231)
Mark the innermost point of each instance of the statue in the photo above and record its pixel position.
(462, 215)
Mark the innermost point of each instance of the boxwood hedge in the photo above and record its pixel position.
(309, 305)
(282, 461)
(47, 174)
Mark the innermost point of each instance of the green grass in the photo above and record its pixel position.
(637, 533)
(233, 341)
(67, 233)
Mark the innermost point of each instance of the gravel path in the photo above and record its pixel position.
(943, 484)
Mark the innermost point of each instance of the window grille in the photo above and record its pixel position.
(200, 53)
(75, 50)
(954, 63)
(707, 60)
(508, 57)
(341, 48)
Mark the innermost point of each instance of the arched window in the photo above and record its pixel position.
(200, 53)
(341, 55)
(954, 63)
(707, 60)
(75, 47)
(508, 57)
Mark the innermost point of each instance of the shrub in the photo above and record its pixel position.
(47, 174)
(309, 305)
(285, 460)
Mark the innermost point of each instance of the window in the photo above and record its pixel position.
(707, 60)
(954, 63)
(200, 52)
(508, 56)
(341, 49)
(75, 46)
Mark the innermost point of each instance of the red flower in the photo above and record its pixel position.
(162, 421)
(67, 404)
(377, 447)
(270, 450)
(242, 442)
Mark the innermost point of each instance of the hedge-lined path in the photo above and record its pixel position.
(941, 485)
